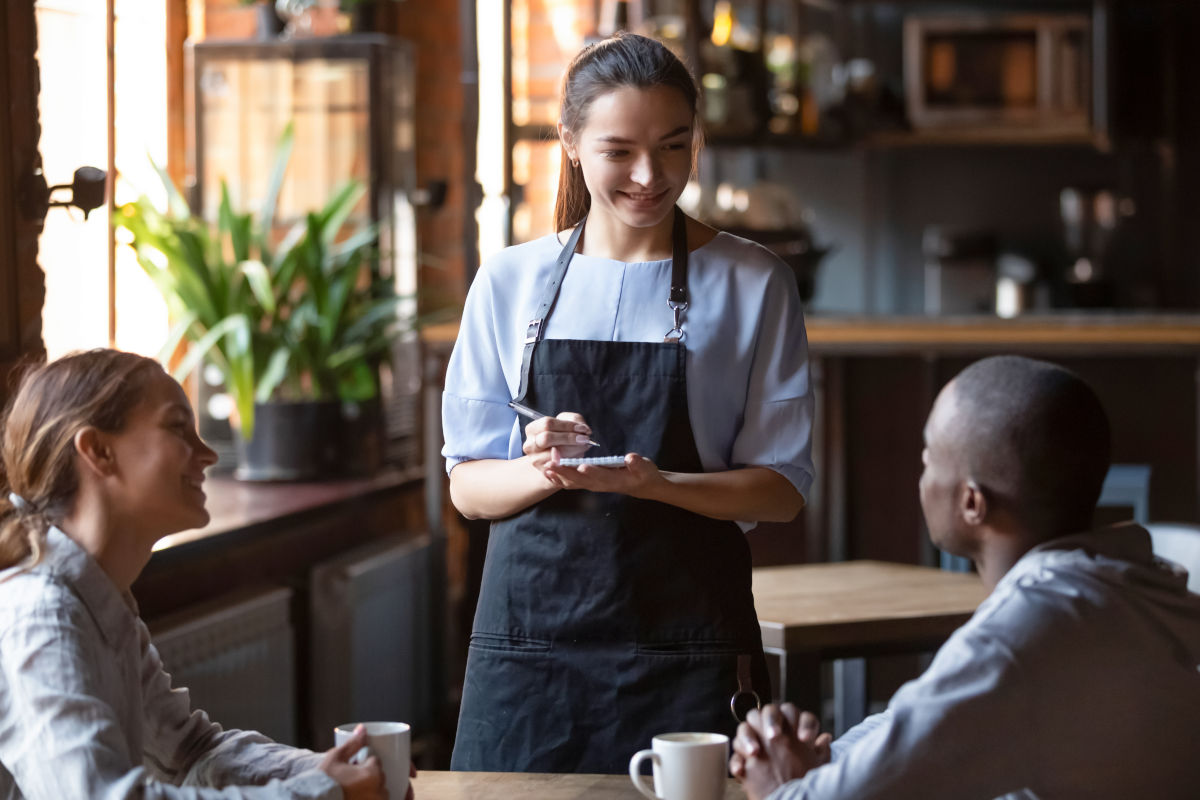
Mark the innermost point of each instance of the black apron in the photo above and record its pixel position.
(604, 620)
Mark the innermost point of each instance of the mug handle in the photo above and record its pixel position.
(362, 755)
(635, 771)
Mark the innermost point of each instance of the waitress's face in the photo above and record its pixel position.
(635, 150)
(160, 459)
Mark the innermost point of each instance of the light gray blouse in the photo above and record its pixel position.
(86, 710)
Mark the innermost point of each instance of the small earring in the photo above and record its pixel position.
(575, 163)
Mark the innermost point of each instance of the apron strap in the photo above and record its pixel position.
(677, 301)
(537, 326)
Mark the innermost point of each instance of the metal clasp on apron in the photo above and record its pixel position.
(676, 333)
(745, 698)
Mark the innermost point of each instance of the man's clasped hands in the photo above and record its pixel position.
(776, 745)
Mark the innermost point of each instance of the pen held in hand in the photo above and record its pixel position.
(526, 411)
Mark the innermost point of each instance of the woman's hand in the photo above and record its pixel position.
(638, 478)
(568, 433)
(358, 781)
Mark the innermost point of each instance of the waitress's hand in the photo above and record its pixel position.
(568, 433)
(637, 478)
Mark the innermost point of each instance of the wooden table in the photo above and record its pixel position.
(437, 785)
(848, 610)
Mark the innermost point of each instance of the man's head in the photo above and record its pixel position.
(1015, 441)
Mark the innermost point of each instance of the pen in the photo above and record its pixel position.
(526, 411)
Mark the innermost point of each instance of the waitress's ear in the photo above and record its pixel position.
(95, 452)
(568, 141)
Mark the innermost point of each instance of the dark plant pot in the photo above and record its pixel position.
(312, 441)
(292, 442)
(270, 24)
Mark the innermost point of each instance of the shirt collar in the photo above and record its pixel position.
(113, 610)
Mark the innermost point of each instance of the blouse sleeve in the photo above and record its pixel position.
(184, 746)
(476, 420)
(776, 430)
(61, 735)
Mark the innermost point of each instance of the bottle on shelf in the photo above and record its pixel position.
(732, 77)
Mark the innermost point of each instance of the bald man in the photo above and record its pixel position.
(1076, 678)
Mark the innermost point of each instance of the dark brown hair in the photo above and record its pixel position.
(96, 388)
(623, 60)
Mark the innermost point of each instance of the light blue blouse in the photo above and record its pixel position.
(748, 388)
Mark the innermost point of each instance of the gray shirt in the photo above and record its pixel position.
(86, 710)
(1076, 678)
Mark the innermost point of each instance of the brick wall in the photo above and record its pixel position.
(434, 27)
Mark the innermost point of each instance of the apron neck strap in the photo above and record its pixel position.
(677, 300)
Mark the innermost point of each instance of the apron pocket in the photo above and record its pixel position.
(509, 644)
(716, 647)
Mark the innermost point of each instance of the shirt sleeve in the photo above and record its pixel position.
(960, 730)
(776, 431)
(184, 746)
(60, 735)
(476, 420)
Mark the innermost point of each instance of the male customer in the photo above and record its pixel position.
(1076, 678)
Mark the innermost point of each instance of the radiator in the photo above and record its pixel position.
(374, 643)
(235, 656)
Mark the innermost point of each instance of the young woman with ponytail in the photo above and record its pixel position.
(100, 460)
(616, 602)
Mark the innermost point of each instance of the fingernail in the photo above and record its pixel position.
(581, 439)
(581, 428)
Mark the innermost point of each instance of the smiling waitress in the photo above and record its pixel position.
(616, 602)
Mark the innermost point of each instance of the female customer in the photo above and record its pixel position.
(616, 602)
(101, 459)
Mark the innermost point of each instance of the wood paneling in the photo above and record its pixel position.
(21, 284)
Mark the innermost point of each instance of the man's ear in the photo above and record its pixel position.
(973, 503)
(95, 452)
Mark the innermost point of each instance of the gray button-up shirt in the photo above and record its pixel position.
(86, 710)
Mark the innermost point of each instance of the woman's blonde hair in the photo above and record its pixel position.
(96, 388)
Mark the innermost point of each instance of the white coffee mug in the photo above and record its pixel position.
(391, 743)
(687, 766)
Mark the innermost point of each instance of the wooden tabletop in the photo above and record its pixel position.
(436, 785)
(824, 607)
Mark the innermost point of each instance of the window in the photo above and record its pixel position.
(75, 129)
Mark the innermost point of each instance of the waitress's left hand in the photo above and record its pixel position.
(637, 478)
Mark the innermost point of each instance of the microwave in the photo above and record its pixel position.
(999, 71)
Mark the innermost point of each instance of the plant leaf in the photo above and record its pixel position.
(283, 154)
(259, 279)
(273, 375)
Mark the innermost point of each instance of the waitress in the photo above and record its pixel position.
(616, 601)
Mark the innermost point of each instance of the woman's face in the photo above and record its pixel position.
(635, 150)
(160, 462)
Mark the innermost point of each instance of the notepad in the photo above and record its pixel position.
(602, 461)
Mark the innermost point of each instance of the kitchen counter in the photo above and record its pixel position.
(1061, 332)
(1077, 332)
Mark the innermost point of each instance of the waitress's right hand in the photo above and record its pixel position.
(568, 433)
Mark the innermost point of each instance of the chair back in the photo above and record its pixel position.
(1178, 542)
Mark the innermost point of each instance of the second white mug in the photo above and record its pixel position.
(391, 742)
(687, 766)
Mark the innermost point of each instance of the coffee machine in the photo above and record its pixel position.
(1091, 219)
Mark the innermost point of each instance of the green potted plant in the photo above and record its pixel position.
(297, 326)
